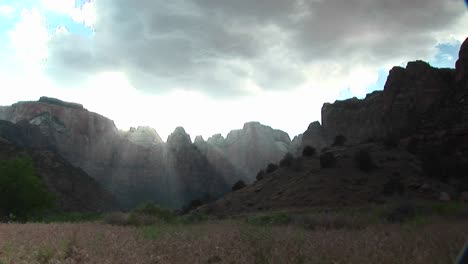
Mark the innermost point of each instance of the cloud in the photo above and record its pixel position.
(232, 48)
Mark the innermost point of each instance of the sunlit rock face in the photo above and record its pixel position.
(251, 148)
(136, 166)
(218, 159)
(193, 174)
(143, 136)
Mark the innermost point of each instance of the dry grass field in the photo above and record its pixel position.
(232, 241)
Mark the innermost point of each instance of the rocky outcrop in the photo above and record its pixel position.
(74, 190)
(314, 136)
(251, 148)
(135, 166)
(143, 136)
(194, 176)
(401, 109)
(221, 163)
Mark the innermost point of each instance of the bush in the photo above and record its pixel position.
(238, 185)
(271, 168)
(150, 214)
(364, 161)
(23, 194)
(413, 146)
(393, 186)
(391, 141)
(260, 175)
(339, 140)
(327, 160)
(401, 213)
(287, 160)
(309, 151)
(116, 218)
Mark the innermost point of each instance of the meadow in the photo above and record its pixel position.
(325, 238)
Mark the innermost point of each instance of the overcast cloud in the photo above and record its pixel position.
(211, 65)
(220, 47)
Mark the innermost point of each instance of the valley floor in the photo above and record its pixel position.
(233, 241)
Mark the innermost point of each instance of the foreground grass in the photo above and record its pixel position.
(232, 241)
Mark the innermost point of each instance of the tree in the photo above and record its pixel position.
(22, 192)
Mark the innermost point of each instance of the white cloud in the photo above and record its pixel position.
(29, 39)
(6, 10)
(86, 14)
(59, 6)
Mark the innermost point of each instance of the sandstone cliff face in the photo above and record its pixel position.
(74, 189)
(217, 157)
(314, 136)
(134, 171)
(143, 136)
(251, 148)
(402, 107)
(193, 174)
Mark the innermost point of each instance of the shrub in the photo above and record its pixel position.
(269, 219)
(401, 213)
(271, 168)
(116, 218)
(339, 140)
(149, 214)
(327, 160)
(309, 151)
(23, 194)
(260, 175)
(238, 185)
(364, 161)
(393, 186)
(391, 141)
(287, 160)
(194, 204)
(413, 145)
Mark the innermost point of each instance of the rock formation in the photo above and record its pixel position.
(251, 148)
(134, 166)
(401, 109)
(143, 136)
(75, 191)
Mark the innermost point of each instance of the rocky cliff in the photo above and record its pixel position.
(411, 97)
(143, 136)
(134, 166)
(75, 191)
(251, 148)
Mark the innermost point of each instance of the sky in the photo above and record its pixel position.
(212, 65)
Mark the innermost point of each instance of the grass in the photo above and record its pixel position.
(434, 234)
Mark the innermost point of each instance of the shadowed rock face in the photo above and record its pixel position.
(74, 189)
(401, 109)
(251, 148)
(171, 174)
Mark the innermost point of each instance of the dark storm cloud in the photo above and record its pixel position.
(215, 46)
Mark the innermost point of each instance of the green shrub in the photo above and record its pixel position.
(339, 141)
(364, 161)
(22, 192)
(327, 160)
(287, 160)
(271, 168)
(309, 151)
(150, 214)
(269, 219)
